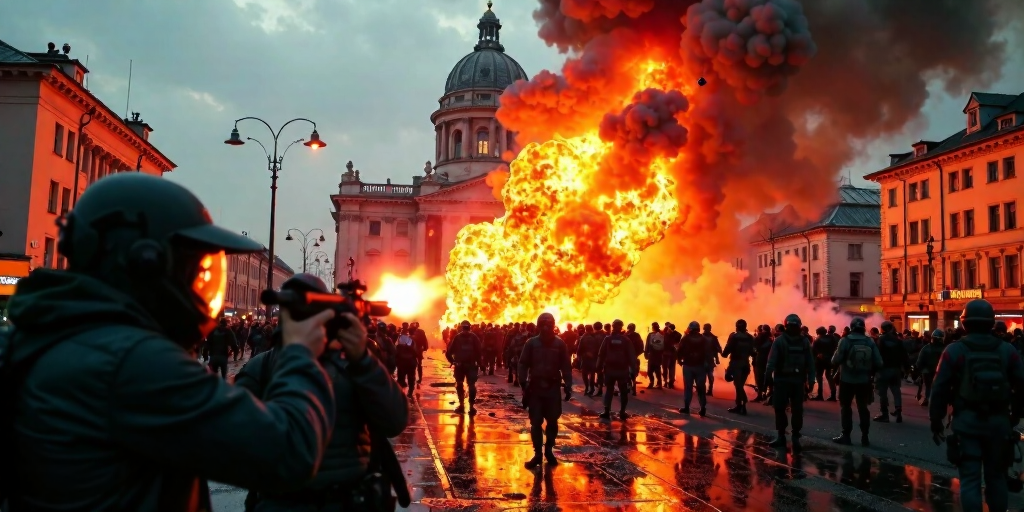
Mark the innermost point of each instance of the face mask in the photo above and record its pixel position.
(211, 282)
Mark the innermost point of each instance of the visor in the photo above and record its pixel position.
(211, 282)
(220, 238)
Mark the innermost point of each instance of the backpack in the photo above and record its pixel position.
(656, 341)
(984, 385)
(794, 362)
(465, 354)
(860, 357)
(616, 356)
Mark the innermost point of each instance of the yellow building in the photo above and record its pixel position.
(950, 229)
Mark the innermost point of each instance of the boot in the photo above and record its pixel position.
(634, 389)
(743, 409)
(843, 439)
(409, 394)
(535, 461)
(884, 417)
(703, 411)
(864, 439)
(623, 415)
(684, 410)
(779, 442)
(796, 443)
(461, 408)
(759, 397)
(899, 414)
(650, 385)
(735, 410)
(711, 391)
(606, 415)
(549, 454)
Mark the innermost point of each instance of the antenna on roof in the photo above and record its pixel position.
(129, 98)
(86, 84)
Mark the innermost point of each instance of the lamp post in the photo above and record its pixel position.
(82, 123)
(930, 250)
(274, 166)
(320, 260)
(305, 240)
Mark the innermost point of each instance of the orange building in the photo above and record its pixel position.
(43, 104)
(950, 228)
(247, 278)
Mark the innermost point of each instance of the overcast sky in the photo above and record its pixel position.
(368, 72)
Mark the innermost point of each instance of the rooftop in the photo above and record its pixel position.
(856, 208)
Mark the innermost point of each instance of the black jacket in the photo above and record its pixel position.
(117, 417)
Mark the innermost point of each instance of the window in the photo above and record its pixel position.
(803, 254)
(1005, 123)
(58, 139)
(803, 286)
(48, 252)
(1010, 215)
(929, 279)
(778, 258)
(854, 252)
(956, 274)
(51, 205)
(954, 181)
(814, 252)
(913, 191)
(993, 171)
(374, 228)
(69, 155)
(915, 276)
(787, 252)
(993, 218)
(402, 228)
(968, 222)
(971, 274)
(954, 225)
(995, 268)
(252, 296)
(925, 194)
(972, 118)
(481, 142)
(894, 284)
(914, 233)
(926, 229)
(894, 236)
(457, 142)
(892, 198)
(968, 179)
(65, 200)
(1012, 265)
(816, 284)
(1009, 168)
(855, 280)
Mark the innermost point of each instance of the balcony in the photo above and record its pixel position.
(387, 189)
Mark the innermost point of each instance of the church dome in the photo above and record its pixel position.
(488, 67)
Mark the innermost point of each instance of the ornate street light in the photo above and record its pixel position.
(305, 240)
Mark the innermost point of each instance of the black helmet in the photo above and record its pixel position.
(617, 324)
(465, 325)
(741, 325)
(546, 320)
(694, 326)
(1000, 327)
(978, 316)
(938, 334)
(858, 325)
(793, 321)
(887, 326)
(153, 239)
(821, 331)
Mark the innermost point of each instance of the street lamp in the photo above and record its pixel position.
(274, 165)
(305, 239)
(930, 250)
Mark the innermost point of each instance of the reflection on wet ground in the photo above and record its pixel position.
(647, 463)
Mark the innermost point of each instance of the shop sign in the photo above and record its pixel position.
(9, 280)
(972, 294)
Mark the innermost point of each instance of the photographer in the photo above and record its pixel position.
(110, 411)
(370, 408)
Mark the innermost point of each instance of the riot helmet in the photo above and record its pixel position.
(793, 324)
(598, 326)
(978, 316)
(887, 326)
(153, 240)
(938, 335)
(857, 325)
(694, 326)
(741, 325)
(1000, 328)
(465, 325)
(546, 323)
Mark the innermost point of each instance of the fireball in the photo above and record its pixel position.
(409, 296)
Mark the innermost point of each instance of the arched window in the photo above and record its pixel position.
(481, 142)
(508, 141)
(457, 144)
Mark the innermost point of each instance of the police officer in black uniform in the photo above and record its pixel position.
(465, 352)
(739, 348)
(696, 355)
(115, 413)
(543, 364)
(218, 347)
(824, 347)
(790, 374)
(887, 380)
(617, 357)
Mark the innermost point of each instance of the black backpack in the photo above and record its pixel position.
(795, 357)
(985, 384)
(616, 356)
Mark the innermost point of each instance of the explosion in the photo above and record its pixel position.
(624, 156)
(409, 296)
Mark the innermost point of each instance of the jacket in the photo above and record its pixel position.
(695, 349)
(543, 363)
(115, 416)
(928, 360)
(778, 354)
(848, 374)
(739, 348)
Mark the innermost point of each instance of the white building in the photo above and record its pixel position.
(397, 228)
(838, 253)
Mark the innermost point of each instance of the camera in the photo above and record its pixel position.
(305, 295)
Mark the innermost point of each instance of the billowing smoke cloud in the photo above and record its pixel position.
(646, 129)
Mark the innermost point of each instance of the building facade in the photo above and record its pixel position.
(950, 229)
(50, 127)
(837, 254)
(397, 228)
(247, 278)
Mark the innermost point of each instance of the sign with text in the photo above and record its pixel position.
(975, 293)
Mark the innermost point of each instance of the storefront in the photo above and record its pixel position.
(1006, 303)
(12, 269)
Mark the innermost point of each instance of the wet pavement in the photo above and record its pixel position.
(656, 460)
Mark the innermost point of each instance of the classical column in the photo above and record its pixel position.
(492, 135)
(468, 139)
(445, 142)
(419, 256)
(437, 143)
(388, 229)
(355, 242)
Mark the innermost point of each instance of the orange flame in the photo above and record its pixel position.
(411, 295)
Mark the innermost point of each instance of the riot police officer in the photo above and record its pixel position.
(982, 378)
(638, 348)
(114, 393)
(654, 351)
(616, 357)
(927, 362)
(790, 373)
(739, 348)
(465, 352)
(589, 346)
(543, 364)
(857, 359)
(716, 350)
(762, 347)
(894, 359)
(824, 347)
(218, 347)
(695, 355)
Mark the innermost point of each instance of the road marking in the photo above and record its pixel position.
(446, 483)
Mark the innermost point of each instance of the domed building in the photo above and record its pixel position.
(385, 227)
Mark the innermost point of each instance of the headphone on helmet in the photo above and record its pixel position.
(80, 242)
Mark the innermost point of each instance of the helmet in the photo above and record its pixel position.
(741, 325)
(694, 326)
(887, 326)
(793, 321)
(1000, 327)
(153, 240)
(820, 331)
(938, 334)
(858, 325)
(978, 316)
(617, 324)
(465, 325)
(598, 326)
(546, 321)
